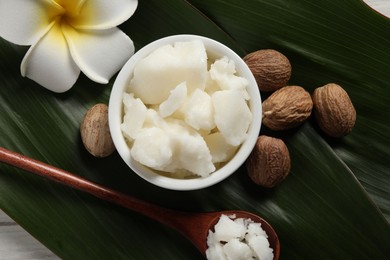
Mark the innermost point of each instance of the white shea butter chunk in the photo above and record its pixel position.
(135, 113)
(227, 229)
(154, 119)
(235, 249)
(232, 115)
(166, 67)
(260, 246)
(199, 112)
(175, 100)
(195, 155)
(152, 148)
(215, 252)
(220, 150)
(191, 153)
(223, 72)
(254, 229)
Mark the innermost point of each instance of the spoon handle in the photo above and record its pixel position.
(160, 214)
(193, 225)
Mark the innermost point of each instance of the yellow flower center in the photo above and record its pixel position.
(71, 10)
(71, 7)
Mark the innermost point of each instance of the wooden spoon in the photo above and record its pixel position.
(194, 226)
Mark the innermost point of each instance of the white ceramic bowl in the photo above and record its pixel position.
(214, 50)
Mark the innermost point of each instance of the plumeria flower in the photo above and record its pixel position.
(68, 36)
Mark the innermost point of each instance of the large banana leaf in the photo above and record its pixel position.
(326, 209)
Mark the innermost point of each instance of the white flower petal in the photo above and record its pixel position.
(103, 14)
(49, 63)
(24, 22)
(99, 54)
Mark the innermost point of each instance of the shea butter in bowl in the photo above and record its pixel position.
(185, 112)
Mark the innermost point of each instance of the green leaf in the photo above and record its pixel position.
(328, 41)
(321, 211)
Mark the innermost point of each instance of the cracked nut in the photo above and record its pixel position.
(269, 163)
(95, 133)
(271, 69)
(287, 108)
(333, 110)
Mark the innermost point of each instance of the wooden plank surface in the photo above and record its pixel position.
(17, 244)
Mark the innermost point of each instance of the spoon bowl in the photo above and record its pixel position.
(207, 221)
(194, 226)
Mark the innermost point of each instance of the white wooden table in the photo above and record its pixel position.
(17, 244)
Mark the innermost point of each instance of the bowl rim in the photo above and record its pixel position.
(115, 115)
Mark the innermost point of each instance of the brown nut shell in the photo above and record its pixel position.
(269, 163)
(271, 69)
(333, 110)
(95, 133)
(287, 108)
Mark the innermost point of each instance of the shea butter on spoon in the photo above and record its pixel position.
(185, 114)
